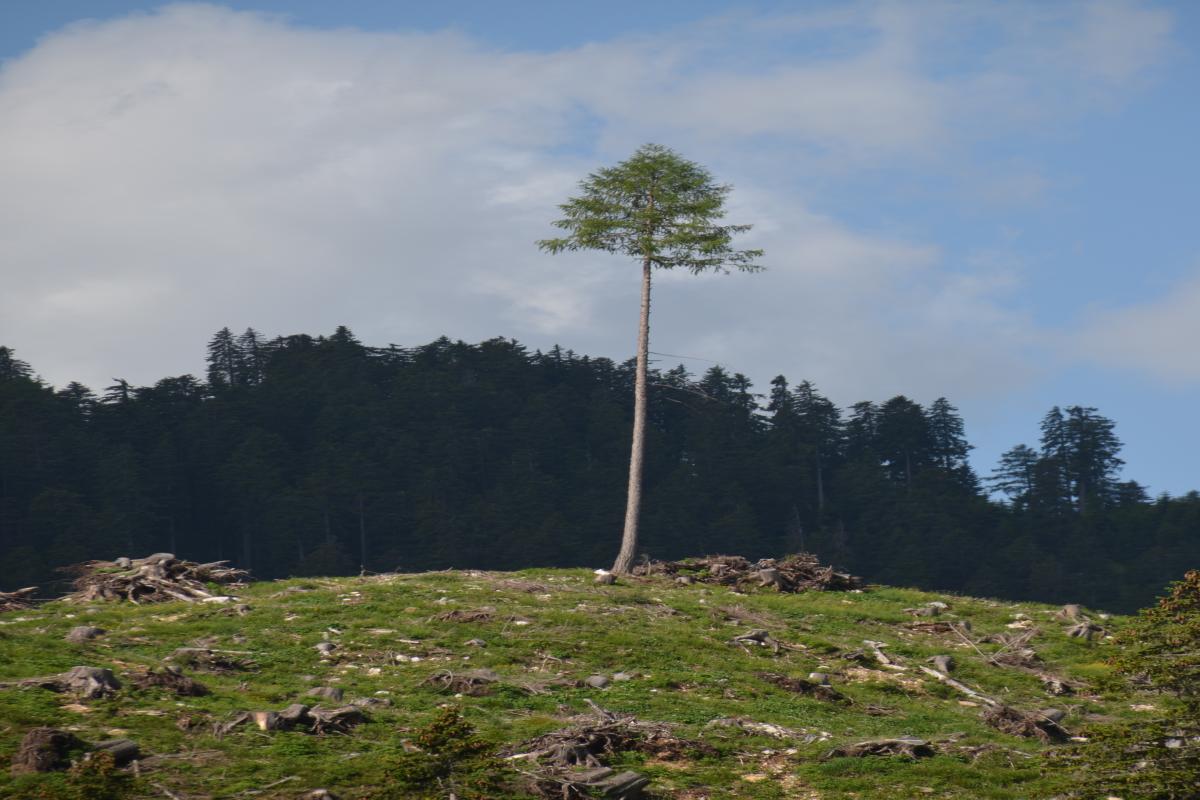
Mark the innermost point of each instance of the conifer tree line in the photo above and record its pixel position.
(306, 455)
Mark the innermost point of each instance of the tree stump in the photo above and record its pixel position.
(84, 633)
(44, 750)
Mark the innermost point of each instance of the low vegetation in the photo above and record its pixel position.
(544, 683)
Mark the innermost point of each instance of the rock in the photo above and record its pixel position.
(324, 648)
(623, 676)
(684, 580)
(319, 794)
(84, 633)
(328, 692)
(44, 750)
(596, 681)
(819, 678)
(475, 643)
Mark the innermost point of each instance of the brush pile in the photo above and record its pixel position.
(570, 763)
(795, 573)
(19, 600)
(158, 578)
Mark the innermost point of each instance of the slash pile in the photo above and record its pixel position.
(18, 600)
(155, 579)
(795, 573)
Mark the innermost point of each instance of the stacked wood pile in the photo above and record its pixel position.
(795, 573)
(17, 601)
(155, 579)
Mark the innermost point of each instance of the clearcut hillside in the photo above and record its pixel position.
(644, 680)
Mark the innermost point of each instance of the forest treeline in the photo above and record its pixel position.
(319, 455)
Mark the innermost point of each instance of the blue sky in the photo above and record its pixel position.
(991, 201)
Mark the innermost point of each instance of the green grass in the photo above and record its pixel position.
(673, 638)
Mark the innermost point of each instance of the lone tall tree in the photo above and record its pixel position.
(662, 210)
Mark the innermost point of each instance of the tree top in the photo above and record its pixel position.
(658, 207)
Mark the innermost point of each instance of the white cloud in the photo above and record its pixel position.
(1157, 337)
(170, 173)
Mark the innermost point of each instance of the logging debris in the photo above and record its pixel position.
(806, 687)
(904, 746)
(19, 600)
(1043, 725)
(474, 682)
(50, 749)
(172, 679)
(158, 578)
(765, 729)
(795, 573)
(758, 638)
(315, 720)
(570, 761)
(483, 614)
(208, 660)
(86, 683)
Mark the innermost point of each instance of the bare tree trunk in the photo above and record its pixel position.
(634, 503)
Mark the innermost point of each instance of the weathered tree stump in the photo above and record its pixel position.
(44, 750)
(84, 633)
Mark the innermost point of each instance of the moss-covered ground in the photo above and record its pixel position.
(548, 629)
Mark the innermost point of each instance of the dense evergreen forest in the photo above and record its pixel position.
(304, 455)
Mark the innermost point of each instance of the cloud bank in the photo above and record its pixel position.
(170, 173)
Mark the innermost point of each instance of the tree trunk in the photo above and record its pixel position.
(637, 452)
(820, 487)
(362, 534)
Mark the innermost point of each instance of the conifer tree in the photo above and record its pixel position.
(663, 211)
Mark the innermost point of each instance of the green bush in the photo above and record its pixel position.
(1157, 759)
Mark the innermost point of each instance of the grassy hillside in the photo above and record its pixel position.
(541, 632)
